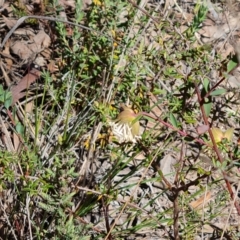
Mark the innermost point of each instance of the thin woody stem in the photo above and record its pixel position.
(215, 148)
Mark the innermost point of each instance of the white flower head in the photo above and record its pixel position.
(123, 132)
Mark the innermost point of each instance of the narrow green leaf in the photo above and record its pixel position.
(173, 120)
(218, 92)
(207, 108)
(7, 99)
(231, 65)
(8, 103)
(206, 84)
(2, 98)
(1, 89)
(19, 128)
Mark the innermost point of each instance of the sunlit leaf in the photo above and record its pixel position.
(135, 128)
(231, 65)
(229, 134)
(7, 99)
(219, 135)
(207, 108)
(218, 92)
(19, 128)
(206, 84)
(173, 120)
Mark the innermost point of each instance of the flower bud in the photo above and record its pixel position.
(128, 116)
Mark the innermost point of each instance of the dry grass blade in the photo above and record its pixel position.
(200, 202)
(7, 136)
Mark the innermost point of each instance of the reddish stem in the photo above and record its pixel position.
(219, 156)
(182, 133)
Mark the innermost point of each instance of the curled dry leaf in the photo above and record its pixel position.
(26, 51)
(9, 22)
(22, 50)
(46, 53)
(42, 39)
(40, 61)
(52, 67)
(234, 78)
(200, 202)
(23, 84)
(201, 129)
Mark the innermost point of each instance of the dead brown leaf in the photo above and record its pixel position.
(29, 107)
(207, 229)
(46, 53)
(212, 31)
(5, 6)
(85, 4)
(22, 50)
(40, 42)
(52, 67)
(16, 141)
(27, 51)
(23, 84)
(9, 22)
(198, 204)
(1, 3)
(67, 3)
(225, 49)
(42, 39)
(234, 78)
(24, 31)
(40, 61)
(201, 129)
